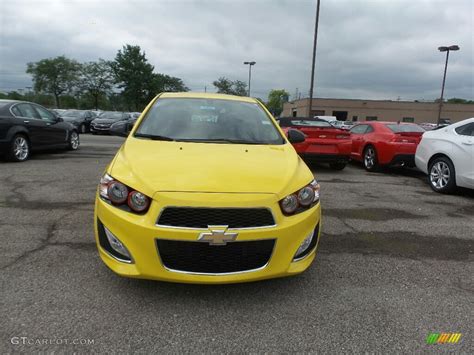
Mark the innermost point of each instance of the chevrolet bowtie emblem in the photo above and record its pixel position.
(217, 236)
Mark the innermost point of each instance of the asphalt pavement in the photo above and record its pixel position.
(395, 264)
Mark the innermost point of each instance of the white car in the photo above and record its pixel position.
(447, 156)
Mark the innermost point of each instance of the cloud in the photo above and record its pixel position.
(366, 49)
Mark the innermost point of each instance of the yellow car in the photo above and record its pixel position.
(207, 189)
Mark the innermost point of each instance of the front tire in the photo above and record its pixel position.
(19, 149)
(370, 159)
(442, 176)
(73, 143)
(82, 128)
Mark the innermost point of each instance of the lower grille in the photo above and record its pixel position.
(199, 257)
(202, 217)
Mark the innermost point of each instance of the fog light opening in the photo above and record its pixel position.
(117, 245)
(300, 253)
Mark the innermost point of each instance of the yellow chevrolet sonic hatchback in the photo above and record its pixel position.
(207, 189)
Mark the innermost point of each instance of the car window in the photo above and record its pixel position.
(45, 114)
(26, 110)
(208, 120)
(466, 130)
(359, 129)
(16, 111)
(400, 128)
(305, 123)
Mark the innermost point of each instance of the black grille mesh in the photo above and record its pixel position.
(202, 217)
(201, 257)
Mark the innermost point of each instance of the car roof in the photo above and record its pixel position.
(7, 101)
(384, 122)
(204, 95)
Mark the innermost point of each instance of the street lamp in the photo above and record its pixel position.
(315, 43)
(444, 49)
(250, 72)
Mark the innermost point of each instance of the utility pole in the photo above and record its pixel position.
(314, 58)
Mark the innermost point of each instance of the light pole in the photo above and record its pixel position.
(444, 49)
(250, 72)
(314, 59)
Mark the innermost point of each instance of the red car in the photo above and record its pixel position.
(323, 143)
(385, 143)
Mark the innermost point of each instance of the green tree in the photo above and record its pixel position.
(166, 83)
(231, 87)
(456, 100)
(276, 99)
(96, 80)
(134, 75)
(56, 76)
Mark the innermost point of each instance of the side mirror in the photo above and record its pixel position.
(121, 129)
(295, 136)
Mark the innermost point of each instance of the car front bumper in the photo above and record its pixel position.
(139, 234)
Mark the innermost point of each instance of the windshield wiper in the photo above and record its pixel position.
(222, 140)
(153, 137)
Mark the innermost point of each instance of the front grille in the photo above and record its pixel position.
(202, 217)
(199, 257)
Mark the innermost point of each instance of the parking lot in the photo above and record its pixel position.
(395, 264)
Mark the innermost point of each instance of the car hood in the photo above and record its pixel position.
(153, 166)
(105, 120)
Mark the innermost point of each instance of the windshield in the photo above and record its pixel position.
(71, 114)
(311, 123)
(402, 128)
(209, 120)
(111, 115)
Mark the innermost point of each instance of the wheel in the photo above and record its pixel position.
(337, 166)
(73, 143)
(442, 177)
(82, 128)
(370, 159)
(19, 149)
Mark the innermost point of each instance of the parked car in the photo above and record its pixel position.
(79, 118)
(26, 127)
(57, 111)
(102, 123)
(323, 143)
(347, 125)
(447, 156)
(427, 126)
(124, 124)
(207, 189)
(376, 143)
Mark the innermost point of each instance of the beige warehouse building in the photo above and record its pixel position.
(381, 110)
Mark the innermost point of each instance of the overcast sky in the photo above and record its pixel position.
(366, 49)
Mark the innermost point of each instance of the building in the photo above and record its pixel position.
(381, 110)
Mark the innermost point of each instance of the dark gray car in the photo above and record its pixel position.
(26, 126)
(79, 118)
(107, 118)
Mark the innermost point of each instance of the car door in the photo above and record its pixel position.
(357, 137)
(26, 115)
(54, 131)
(463, 154)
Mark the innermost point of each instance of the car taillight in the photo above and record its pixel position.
(122, 196)
(403, 140)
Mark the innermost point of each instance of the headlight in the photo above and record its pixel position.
(289, 204)
(138, 201)
(122, 196)
(301, 200)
